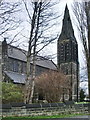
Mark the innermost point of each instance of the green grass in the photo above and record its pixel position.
(40, 117)
(81, 102)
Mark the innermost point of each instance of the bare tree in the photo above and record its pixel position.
(81, 11)
(52, 85)
(41, 22)
(87, 10)
(8, 18)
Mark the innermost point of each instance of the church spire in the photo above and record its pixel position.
(67, 29)
(67, 55)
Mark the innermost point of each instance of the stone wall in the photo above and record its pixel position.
(43, 109)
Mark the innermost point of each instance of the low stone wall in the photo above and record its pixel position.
(43, 109)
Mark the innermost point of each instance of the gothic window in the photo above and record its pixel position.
(10, 64)
(15, 66)
(62, 52)
(75, 54)
(67, 52)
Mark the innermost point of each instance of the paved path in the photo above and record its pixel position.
(66, 119)
(84, 117)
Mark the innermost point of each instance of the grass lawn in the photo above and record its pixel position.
(82, 102)
(41, 117)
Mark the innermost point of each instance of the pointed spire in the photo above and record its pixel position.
(66, 14)
(66, 8)
(67, 29)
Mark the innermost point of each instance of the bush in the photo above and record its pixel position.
(11, 93)
(50, 86)
(82, 95)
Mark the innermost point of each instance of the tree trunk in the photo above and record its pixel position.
(35, 53)
(88, 66)
(87, 10)
(88, 59)
(33, 79)
(28, 81)
(29, 76)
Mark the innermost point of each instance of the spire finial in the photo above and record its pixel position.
(66, 7)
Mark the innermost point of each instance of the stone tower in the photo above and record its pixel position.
(67, 55)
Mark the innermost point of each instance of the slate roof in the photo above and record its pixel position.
(16, 53)
(16, 77)
(20, 54)
(46, 63)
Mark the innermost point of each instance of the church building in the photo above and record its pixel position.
(67, 55)
(14, 64)
(14, 59)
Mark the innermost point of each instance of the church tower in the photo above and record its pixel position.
(67, 55)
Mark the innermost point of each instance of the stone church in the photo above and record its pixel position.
(14, 59)
(67, 54)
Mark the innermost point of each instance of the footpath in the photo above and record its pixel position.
(83, 117)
